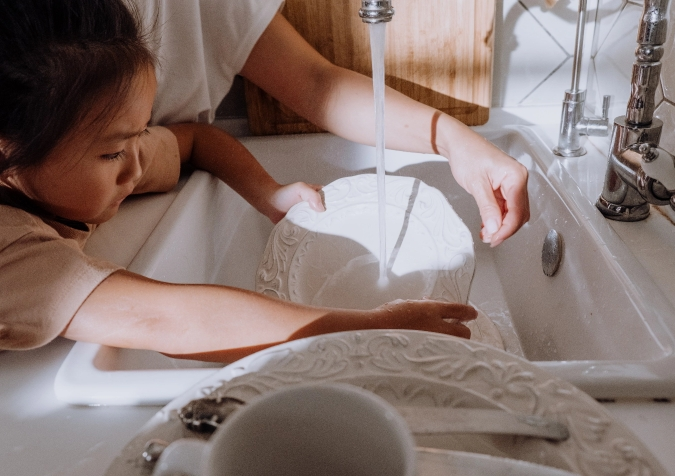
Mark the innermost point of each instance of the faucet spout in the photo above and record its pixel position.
(639, 172)
(376, 11)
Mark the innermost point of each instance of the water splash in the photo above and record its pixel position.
(356, 285)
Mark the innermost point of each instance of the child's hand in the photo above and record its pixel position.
(423, 315)
(426, 315)
(288, 195)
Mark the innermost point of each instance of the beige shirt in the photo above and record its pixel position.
(44, 274)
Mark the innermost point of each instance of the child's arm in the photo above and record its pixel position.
(213, 322)
(211, 149)
(341, 101)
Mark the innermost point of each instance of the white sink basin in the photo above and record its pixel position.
(600, 322)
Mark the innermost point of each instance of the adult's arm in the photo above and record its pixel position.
(341, 101)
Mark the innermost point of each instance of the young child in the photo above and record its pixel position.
(77, 85)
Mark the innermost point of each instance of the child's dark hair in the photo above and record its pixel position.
(57, 58)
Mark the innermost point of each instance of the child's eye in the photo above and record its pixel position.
(115, 156)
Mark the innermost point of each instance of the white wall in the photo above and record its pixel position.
(534, 51)
(535, 48)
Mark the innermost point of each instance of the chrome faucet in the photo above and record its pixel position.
(639, 172)
(573, 124)
(376, 11)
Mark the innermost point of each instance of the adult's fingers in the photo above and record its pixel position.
(488, 207)
(516, 208)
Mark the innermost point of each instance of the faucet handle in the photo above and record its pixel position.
(595, 127)
(648, 152)
(656, 175)
(605, 106)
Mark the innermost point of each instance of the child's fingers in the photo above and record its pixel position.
(452, 310)
(431, 316)
(456, 329)
(435, 310)
(310, 194)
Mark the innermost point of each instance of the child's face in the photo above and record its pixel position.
(92, 170)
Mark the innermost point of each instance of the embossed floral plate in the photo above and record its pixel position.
(331, 258)
(426, 369)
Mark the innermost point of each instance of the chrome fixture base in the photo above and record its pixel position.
(639, 172)
(622, 212)
(573, 124)
(560, 152)
(626, 189)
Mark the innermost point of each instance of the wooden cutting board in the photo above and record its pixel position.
(438, 52)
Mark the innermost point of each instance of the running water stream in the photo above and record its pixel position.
(377, 39)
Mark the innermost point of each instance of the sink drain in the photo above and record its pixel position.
(551, 253)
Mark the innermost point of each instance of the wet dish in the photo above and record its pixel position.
(331, 258)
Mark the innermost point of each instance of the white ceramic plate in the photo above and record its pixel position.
(331, 258)
(421, 368)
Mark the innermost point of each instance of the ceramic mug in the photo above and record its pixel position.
(326, 429)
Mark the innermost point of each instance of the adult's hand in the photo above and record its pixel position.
(496, 181)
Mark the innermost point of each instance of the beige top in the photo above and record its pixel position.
(44, 274)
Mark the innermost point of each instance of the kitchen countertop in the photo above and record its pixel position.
(42, 436)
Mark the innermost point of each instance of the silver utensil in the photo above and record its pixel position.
(152, 451)
(435, 420)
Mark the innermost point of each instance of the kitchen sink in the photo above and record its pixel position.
(598, 322)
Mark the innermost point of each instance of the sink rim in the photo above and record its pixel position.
(600, 378)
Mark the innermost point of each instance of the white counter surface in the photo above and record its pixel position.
(40, 435)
